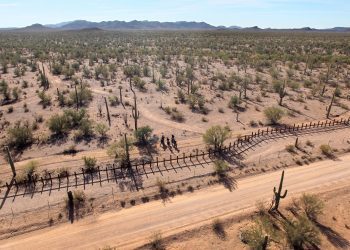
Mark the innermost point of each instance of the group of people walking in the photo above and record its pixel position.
(168, 143)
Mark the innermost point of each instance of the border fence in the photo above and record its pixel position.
(138, 169)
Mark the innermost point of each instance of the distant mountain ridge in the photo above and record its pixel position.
(117, 25)
(153, 25)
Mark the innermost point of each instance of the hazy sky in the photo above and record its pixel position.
(263, 13)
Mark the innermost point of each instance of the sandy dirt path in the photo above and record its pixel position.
(131, 227)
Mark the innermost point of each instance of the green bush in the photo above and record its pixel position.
(20, 135)
(143, 134)
(326, 150)
(216, 136)
(302, 234)
(90, 164)
(45, 99)
(220, 167)
(312, 206)
(58, 124)
(234, 102)
(101, 129)
(273, 114)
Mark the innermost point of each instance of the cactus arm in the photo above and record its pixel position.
(284, 195)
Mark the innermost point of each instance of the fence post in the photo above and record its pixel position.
(83, 176)
(10, 161)
(99, 175)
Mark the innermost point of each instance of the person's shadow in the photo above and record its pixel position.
(70, 207)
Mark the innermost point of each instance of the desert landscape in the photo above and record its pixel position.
(174, 139)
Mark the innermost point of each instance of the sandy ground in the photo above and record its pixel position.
(129, 228)
(335, 217)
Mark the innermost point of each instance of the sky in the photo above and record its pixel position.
(244, 13)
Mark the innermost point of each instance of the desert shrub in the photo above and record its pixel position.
(16, 93)
(220, 167)
(312, 206)
(117, 149)
(234, 102)
(309, 143)
(20, 135)
(337, 92)
(132, 70)
(29, 169)
(45, 99)
(181, 96)
(216, 136)
(161, 86)
(177, 115)
(253, 123)
(84, 96)
(291, 149)
(85, 129)
(273, 114)
(90, 164)
(140, 84)
(302, 233)
(326, 150)
(63, 172)
(113, 101)
(254, 236)
(58, 124)
(5, 90)
(143, 134)
(156, 242)
(161, 185)
(101, 129)
(75, 117)
(79, 198)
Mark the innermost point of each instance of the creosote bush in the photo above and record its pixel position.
(273, 114)
(90, 164)
(326, 150)
(20, 135)
(216, 136)
(312, 206)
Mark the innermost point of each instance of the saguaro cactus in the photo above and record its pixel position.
(330, 105)
(120, 95)
(10, 161)
(277, 195)
(108, 116)
(76, 96)
(282, 93)
(135, 112)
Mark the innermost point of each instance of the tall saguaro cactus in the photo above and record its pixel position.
(135, 112)
(330, 105)
(282, 93)
(108, 116)
(277, 195)
(10, 161)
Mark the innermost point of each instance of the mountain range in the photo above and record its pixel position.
(150, 25)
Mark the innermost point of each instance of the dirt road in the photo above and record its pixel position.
(133, 226)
